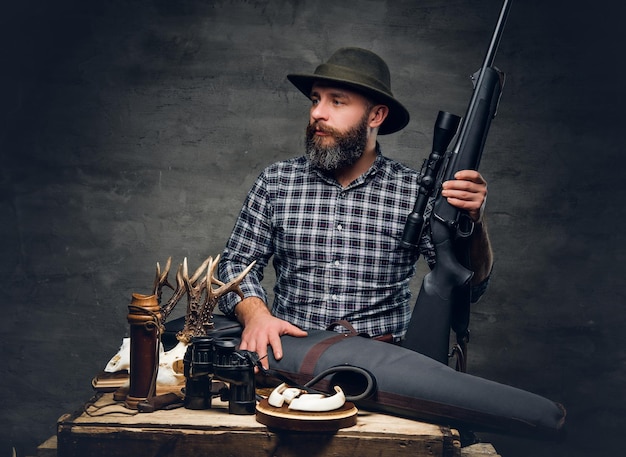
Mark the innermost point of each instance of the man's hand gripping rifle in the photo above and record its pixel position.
(444, 299)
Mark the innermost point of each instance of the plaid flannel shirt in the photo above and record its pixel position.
(335, 250)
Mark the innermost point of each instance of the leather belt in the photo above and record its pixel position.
(388, 338)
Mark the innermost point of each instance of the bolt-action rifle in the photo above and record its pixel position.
(444, 298)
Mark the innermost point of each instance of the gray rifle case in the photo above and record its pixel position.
(412, 385)
(408, 384)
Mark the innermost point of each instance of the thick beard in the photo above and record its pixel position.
(348, 148)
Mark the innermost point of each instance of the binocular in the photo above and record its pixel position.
(207, 358)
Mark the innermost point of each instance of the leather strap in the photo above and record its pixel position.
(307, 367)
(387, 338)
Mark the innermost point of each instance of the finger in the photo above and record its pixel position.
(463, 185)
(277, 347)
(250, 343)
(463, 195)
(243, 343)
(296, 331)
(264, 363)
(465, 200)
(261, 350)
(470, 175)
(474, 208)
(469, 205)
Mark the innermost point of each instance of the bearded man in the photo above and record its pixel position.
(333, 218)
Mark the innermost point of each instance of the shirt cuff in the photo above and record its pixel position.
(478, 290)
(228, 302)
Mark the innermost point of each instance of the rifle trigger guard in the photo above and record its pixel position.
(465, 226)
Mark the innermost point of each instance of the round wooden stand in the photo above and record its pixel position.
(303, 421)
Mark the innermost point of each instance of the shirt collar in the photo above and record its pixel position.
(369, 174)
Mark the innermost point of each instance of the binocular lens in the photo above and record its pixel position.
(209, 357)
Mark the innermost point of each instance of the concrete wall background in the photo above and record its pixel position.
(131, 131)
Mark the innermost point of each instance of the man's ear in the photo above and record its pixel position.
(378, 114)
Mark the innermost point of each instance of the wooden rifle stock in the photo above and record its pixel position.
(444, 298)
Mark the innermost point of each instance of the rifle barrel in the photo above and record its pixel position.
(497, 34)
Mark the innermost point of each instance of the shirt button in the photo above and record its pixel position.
(334, 297)
(339, 227)
(337, 263)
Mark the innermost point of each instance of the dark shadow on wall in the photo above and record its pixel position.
(131, 131)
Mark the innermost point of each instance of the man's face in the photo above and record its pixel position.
(338, 127)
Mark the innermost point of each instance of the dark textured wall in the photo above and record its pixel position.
(131, 130)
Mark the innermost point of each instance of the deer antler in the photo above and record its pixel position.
(176, 296)
(200, 306)
(181, 286)
(160, 279)
(195, 302)
(232, 286)
(199, 317)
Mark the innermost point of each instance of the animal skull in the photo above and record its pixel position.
(121, 360)
(170, 363)
(203, 290)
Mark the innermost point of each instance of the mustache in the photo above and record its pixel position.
(318, 126)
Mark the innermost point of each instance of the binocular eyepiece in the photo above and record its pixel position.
(207, 358)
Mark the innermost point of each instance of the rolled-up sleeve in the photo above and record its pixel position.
(250, 240)
(478, 290)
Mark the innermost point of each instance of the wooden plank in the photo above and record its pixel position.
(48, 448)
(479, 450)
(121, 442)
(106, 411)
(108, 431)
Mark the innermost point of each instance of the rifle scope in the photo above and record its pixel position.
(446, 126)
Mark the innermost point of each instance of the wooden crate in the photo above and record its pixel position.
(109, 431)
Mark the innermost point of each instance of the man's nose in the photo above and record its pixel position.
(319, 111)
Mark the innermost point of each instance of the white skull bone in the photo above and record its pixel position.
(170, 363)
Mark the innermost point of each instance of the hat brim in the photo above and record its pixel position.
(397, 118)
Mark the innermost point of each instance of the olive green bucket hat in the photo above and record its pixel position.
(363, 71)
